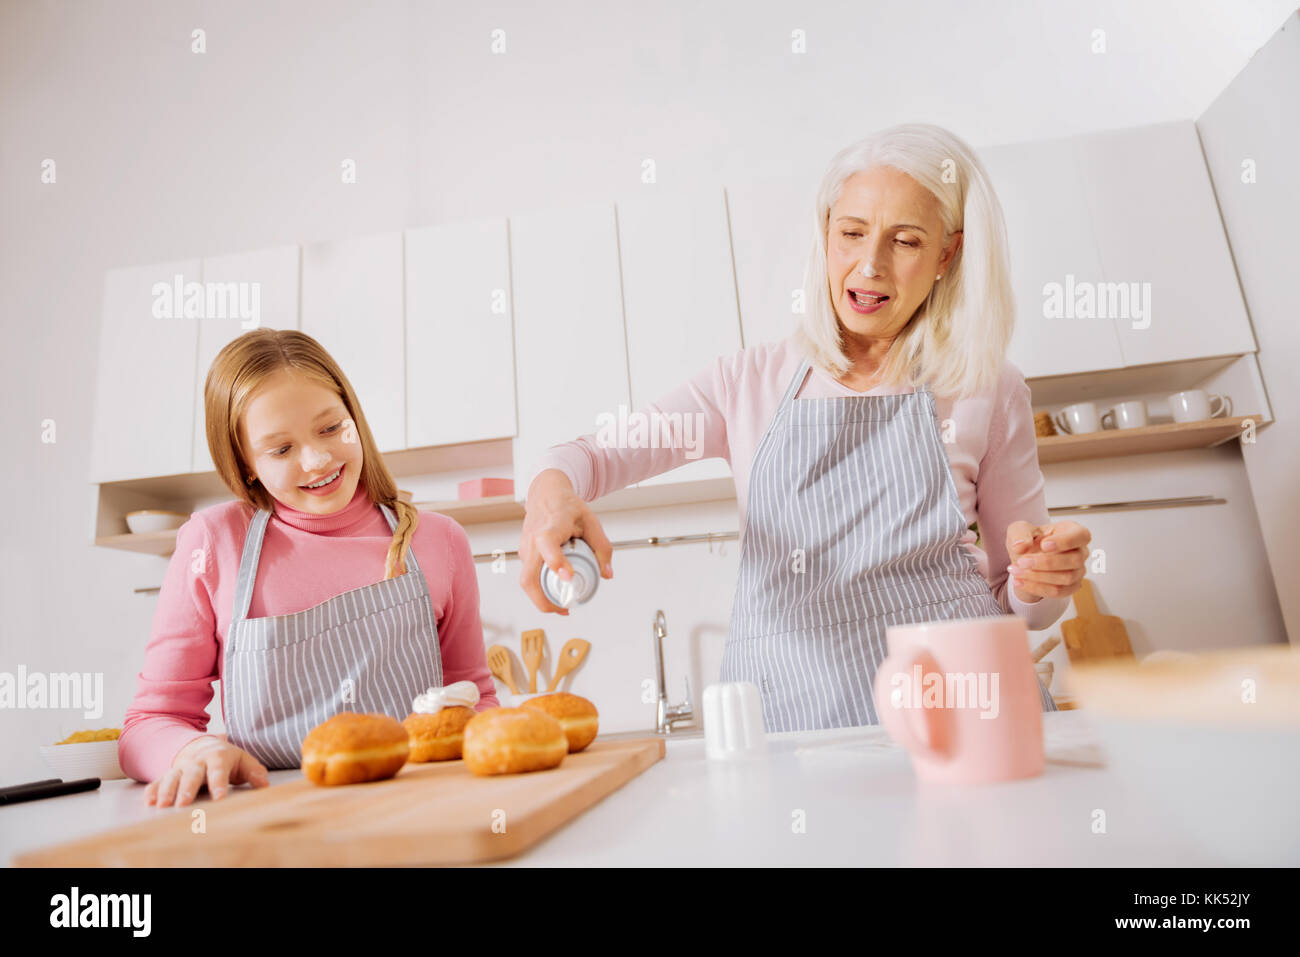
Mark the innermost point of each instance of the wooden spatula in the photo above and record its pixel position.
(498, 660)
(1091, 636)
(531, 642)
(571, 655)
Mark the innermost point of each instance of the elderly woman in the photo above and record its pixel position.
(864, 446)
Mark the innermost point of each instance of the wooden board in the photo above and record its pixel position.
(435, 813)
(1092, 636)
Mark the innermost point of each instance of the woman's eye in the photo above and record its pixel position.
(902, 242)
(850, 234)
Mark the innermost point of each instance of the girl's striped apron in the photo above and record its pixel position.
(369, 649)
(853, 524)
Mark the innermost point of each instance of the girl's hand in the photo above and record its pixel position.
(552, 515)
(1047, 561)
(209, 761)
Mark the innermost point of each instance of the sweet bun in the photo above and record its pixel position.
(350, 748)
(510, 740)
(438, 736)
(576, 715)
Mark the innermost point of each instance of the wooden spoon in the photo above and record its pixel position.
(572, 654)
(498, 660)
(531, 643)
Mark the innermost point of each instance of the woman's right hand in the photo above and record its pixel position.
(206, 760)
(552, 515)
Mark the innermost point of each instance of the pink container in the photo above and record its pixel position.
(962, 698)
(485, 488)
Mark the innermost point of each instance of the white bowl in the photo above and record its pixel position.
(89, 759)
(1179, 734)
(154, 520)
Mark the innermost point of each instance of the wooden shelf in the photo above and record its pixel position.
(493, 508)
(1167, 437)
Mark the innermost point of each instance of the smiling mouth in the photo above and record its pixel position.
(862, 299)
(326, 480)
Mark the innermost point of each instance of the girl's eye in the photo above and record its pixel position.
(330, 431)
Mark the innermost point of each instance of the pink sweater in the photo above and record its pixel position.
(993, 455)
(306, 559)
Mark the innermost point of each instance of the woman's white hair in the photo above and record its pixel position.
(957, 339)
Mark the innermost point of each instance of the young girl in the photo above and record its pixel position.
(275, 594)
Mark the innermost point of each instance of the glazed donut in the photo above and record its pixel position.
(350, 748)
(438, 736)
(511, 740)
(576, 715)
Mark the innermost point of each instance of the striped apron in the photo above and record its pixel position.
(369, 649)
(853, 525)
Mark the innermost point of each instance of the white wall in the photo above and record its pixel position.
(163, 154)
(1255, 121)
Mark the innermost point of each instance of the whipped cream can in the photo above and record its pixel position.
(586, 576)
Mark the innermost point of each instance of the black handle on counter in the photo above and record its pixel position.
(51, 787)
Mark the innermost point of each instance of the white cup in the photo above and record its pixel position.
(1196, 405)
(1078, 418)
(1126, 415)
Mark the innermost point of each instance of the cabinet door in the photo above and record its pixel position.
(261, 289)
(460, 374)
(144, 392)
(1159, 232)
(352, 305)
(772, 230)
(679, 298)
(1051, 241)
(569, 340)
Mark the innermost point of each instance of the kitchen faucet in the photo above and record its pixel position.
(667, 715)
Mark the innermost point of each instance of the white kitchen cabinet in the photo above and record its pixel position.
(1158, 229)
(460, 375)
(352, 305)
(262, 290)
(772, 230)
(144, 393)
(569, 340)
(679, 300)
(1051, 241)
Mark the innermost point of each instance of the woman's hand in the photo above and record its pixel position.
(552, 515)
(206, 760)
(1047, 561)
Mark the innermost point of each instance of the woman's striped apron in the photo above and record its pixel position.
(369, 649)
(853, 525)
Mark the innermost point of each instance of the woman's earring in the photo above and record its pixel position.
(940, 276)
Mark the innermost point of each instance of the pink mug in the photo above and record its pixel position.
(962, 698)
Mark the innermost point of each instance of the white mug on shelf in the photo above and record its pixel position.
(1126, 415)
(1078, 418)
(1195, 405)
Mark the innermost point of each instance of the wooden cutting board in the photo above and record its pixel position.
(1091, 635)
(434, 813)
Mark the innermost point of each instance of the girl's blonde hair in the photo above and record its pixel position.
(957, 339)
(239, 371)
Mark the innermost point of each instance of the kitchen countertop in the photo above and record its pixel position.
(851, 789)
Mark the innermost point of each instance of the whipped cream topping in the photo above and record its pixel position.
(462, 693)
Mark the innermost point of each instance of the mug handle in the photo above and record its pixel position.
(1060, 424)
(1111, 413)
(1225, 405)
(910, 727)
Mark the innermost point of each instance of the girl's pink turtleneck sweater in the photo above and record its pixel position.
(306, 559)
